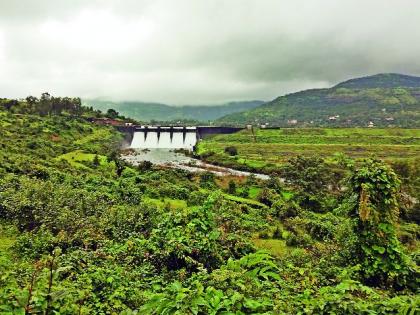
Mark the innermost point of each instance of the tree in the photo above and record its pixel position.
(274, 183)
(9, 104)
(145, 166)
(232, 187)
(32, 102)
(45, 104)
(266, 196)
(207, 180)
(310, 178)
(76, 106)
(96, 161)
(112, 113)
(119, 164)
(231, 150)
(113, 156)
(57, 105)
(67, 104)
(308, 174)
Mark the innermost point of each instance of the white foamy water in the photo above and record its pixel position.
(151, 140)
(159, 150)
(167, 157)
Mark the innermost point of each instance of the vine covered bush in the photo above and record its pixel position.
(375, 211)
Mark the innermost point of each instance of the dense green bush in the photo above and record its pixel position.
(286, 209)
(232, 151)
(196, 198)
(207, 180)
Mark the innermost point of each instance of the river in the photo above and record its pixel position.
(160, 150)
(170, 158)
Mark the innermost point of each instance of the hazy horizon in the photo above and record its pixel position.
(200, 52)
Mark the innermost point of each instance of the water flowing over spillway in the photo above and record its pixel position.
(163, 140)
(157, 144)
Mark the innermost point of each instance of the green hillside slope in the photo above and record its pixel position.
(84, 232)
(383, 99)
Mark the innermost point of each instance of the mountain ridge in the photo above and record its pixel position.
(392, 80)
(148, 111)
(379, 100)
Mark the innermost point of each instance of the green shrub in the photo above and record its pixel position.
(298, 239)
(196, 198)
(231, 150)
(207, 180)
(286, 209)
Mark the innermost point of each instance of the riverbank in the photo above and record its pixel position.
(170, 158)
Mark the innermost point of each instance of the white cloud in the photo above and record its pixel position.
(190, 51)
(97, 31)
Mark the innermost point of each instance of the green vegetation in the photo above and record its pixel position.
(264, 150)
(82, 232)
(79, 158)
(384, 100)
(385, 80)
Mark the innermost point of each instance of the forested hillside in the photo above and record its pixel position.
(82, 232)
(381, 100)
(160, 112)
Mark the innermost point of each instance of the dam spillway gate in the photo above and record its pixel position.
(171, 137)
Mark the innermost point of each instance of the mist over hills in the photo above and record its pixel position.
(147, 111)
(379, 100)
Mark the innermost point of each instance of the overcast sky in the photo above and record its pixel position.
(200, 51)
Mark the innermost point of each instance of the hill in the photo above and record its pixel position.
(83, 232)
(383, 99)
(386, 80)
(144, 111)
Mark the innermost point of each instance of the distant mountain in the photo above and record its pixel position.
(161, 112)
(383, 99)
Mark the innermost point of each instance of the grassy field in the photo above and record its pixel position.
(78, 157)
(265, 149)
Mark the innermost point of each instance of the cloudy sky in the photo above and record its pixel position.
(200, 51)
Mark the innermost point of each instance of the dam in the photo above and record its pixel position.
(170, 137)
(156, 144)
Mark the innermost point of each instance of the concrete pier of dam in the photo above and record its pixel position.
(200, 131)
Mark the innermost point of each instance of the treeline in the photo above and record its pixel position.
(45, 105)
(48, 105)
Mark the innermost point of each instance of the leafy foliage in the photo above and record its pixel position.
(376, 211)
(266, 150)
(82, 232)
